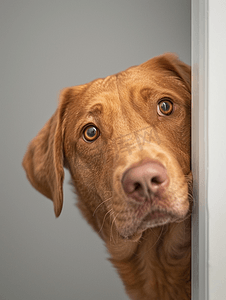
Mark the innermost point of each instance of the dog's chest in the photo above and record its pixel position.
(165, 276)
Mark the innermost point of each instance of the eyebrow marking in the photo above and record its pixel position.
(95, 109)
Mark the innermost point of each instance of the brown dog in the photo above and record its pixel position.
(126, 142)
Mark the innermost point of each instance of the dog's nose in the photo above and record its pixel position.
(145, 181)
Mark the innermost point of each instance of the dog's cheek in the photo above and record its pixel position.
(88, 171)
(177, 142)
(183, 151)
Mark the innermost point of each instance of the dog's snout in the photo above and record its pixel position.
(145, 181)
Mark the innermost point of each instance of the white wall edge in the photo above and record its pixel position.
(200, 149)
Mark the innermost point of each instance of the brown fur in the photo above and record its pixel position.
(154, 263)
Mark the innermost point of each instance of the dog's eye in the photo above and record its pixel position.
(91, 133)
(165, 107)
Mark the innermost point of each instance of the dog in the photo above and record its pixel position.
(125, 140)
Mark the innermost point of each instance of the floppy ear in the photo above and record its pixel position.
(43, 161)
(171, 63)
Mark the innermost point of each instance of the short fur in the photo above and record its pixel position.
(153, 262)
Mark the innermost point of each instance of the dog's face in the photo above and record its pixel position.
(126, 142)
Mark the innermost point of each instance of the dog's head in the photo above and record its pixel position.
(126, 142)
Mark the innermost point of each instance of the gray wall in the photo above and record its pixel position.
(46, 46)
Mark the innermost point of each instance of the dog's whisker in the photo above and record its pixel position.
(179, 220)
(111, 231)
(104, 219)
(158, 238)
(101, 204)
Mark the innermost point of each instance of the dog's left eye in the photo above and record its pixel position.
(91, 133)
(165, 107)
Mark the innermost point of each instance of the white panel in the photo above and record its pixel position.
(217, 150)
(199, 149)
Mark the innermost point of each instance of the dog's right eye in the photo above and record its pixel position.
(90, 133)
(165, 107)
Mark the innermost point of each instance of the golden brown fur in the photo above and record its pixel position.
(152, 260)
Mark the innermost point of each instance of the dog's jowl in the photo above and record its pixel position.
(125, 140)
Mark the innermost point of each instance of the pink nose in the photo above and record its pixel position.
(142, 182)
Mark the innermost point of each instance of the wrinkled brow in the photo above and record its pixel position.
(95, 110)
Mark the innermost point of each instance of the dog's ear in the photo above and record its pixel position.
(170, 62)
(44, 161)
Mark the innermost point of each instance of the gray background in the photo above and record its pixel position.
(46, 46)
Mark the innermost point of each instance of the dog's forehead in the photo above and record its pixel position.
(120, 85)
(139, 78)
(124, 96)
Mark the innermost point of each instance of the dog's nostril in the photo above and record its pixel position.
(156, 180)
(137, 186)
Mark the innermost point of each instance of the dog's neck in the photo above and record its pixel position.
(156, 262)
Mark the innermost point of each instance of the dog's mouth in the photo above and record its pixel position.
(157, 218)
(156, 215)
(154, 218)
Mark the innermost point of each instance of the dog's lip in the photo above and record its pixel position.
(154, 218)
(157, 215)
